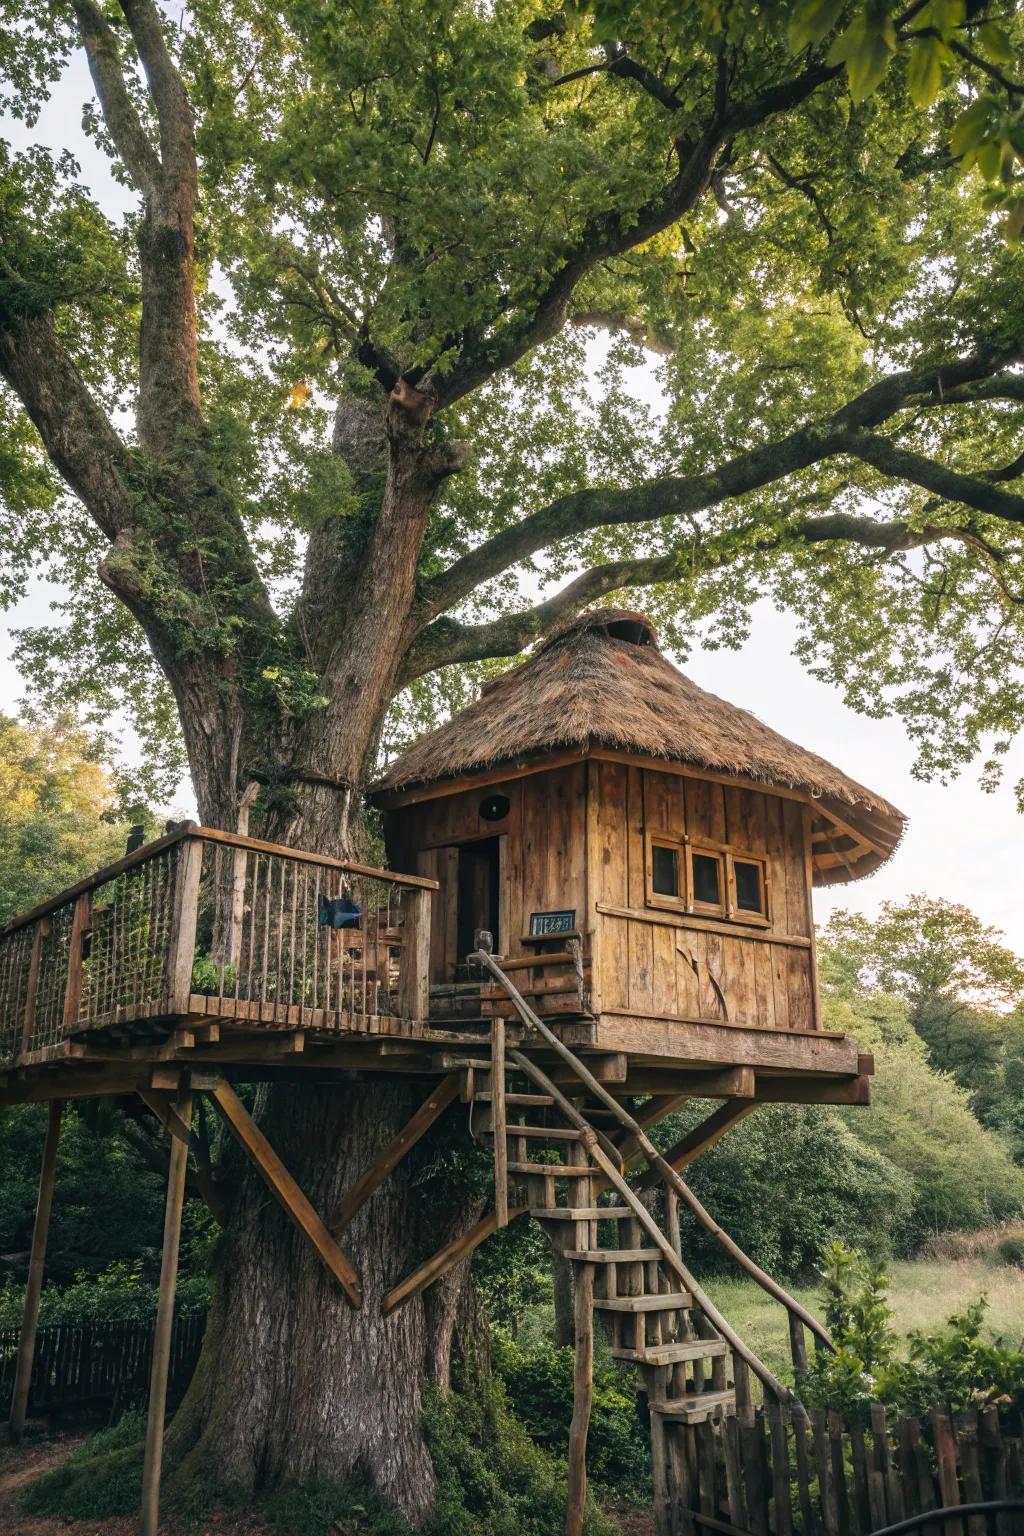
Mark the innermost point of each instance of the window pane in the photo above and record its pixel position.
(664, 871)
(748, 887)
(706, 882)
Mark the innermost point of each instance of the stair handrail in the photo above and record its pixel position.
(654, 1157)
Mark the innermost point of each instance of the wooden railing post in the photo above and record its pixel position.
(34, 1286)
(498, 1120)
(42, 931)
(81, 922)
(582, 1402)
(183, 933)
(164, 1325)
(414, 991)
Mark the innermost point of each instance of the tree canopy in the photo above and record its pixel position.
(806, 214)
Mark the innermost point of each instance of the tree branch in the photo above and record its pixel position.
(76, 433)
(131, 140)
(970, 490)
(674, 496)
(446, 641)
(173, 109)
(610, 234)
(637, 330)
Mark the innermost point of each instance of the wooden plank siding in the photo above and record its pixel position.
(576, 837)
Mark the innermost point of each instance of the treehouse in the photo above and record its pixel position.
(607, 912)
(642, 855)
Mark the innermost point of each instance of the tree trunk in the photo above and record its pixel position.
(293, 1382)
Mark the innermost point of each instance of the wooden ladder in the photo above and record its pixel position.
(551, 1156)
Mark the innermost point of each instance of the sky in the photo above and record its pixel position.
(961, 843)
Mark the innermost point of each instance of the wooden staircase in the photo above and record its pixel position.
(562, 1155)
(684, 1363)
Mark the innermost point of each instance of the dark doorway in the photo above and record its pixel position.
(478, 893)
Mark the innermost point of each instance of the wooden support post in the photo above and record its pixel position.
(498, 1120)
(446, 1259)
(701, 1139)
(81, 921)
(164, 1323)
(414, 995)
(34, 1287)
(182, 955)
(392, 1155)
(583, 1398)
(285, 1190)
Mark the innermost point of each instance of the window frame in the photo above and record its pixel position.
(726, 856)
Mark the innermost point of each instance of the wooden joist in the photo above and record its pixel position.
(285, 1190)
(701, 1139)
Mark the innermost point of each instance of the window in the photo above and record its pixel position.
(708, 880)
(706, 884)
(664, 870)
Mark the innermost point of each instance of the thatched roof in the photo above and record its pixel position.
(601, 681)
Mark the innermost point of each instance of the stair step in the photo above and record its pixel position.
(671, 1301)
(558, 1170)
(579, 1212)
(541, 1100)
(539, 1132)
(697, 1407)
(670, 1354)
(613, 1255)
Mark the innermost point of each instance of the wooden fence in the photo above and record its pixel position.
(97, 1364)
(760, 1471)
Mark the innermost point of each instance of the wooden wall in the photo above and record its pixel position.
(575, 837)
(644, 957)
(543, 853)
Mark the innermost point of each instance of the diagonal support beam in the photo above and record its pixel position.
(701, 1139)
(285, 1190)
(446, 1258)
(431, 1109)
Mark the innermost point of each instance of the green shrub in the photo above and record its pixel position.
(492, 1478)
(118, 1295)
(99, 1480)
(953, 1367)
(333, 1509)
(539, 1383)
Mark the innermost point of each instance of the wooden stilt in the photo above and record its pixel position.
(34, 1286)
(583, 1398)
(150, 1512)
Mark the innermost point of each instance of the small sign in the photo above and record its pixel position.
(543, 923)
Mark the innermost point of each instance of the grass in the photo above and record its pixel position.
(922, 1294)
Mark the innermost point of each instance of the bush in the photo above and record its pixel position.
(953, 1367)
(492, 1478)
(118, 1295)
(333, 1509)
(539, 1382)
(786, 1181)
(1003, 1244)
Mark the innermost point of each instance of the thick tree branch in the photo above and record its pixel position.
(675, 496)
(610, 234)
(446, 641)
(173, 109)
(76, 434)
(971, 490)
(130, 138)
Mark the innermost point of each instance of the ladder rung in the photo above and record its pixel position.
(552, 1170)
(580, 1212)
(697, 1407)
(670, 1354)
(613, 1255)
(671, 1301)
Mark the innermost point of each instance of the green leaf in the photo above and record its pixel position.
(924, 70)
(971, 126)
(866, 48)
(1014, 225)
(996, 43)
(811, 21)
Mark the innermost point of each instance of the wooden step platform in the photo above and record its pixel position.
(671, 1301)
(540, 1132)
(614, 1255)
(697, 1407)
(552, 1170)
(580, 1212)
(671, 1354)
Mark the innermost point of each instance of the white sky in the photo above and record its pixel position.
(961, 843)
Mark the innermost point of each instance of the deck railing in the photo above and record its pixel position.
(203, 922)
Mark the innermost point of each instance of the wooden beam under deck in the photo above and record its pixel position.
(666, 1041)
